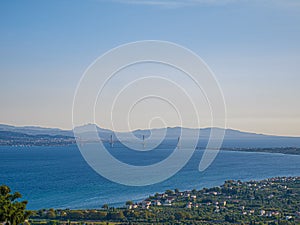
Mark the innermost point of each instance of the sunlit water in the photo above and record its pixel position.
(58, 177)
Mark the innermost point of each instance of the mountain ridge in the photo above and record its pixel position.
(232, 138)
(28, 129)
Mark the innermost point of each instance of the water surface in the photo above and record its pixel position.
(58, 177)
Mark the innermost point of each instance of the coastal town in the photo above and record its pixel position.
(270, 201)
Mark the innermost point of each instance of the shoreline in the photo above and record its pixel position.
(235, 201)
(279, 150)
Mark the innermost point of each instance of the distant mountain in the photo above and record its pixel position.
(49, 136)
(34, 130)
(87, 132)
(232, 138)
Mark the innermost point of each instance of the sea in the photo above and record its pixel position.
(59, 177)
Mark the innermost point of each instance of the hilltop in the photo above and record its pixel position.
(233, 139)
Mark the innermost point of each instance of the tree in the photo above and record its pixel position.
(105, 206)
(51, 214)
(169, 192)
(12, 212)
(128, 203)
(116, 215)
(230, 218)
(179, 215)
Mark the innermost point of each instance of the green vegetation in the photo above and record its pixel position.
(12, 212)
(274, 201)
(283, 150)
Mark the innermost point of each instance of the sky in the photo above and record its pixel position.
(253, 48)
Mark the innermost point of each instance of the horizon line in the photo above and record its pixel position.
(144, 129)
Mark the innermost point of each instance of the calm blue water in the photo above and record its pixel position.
(58, 177)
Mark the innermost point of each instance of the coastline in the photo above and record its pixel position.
(280, 150)
(233, 202)
(286, 151)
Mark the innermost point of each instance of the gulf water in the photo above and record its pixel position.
(59, 177)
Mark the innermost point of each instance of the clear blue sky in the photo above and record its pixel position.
(253, 47)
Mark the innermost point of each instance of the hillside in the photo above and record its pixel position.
(233, 139)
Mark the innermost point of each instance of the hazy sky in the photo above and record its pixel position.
(253, 47)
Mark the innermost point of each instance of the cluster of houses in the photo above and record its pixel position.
(276, 213)
(261, 212)
(165, 199)
(190, 197)
(279, 182)
(159, 200)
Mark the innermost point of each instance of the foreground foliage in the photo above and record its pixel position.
(12, 212)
